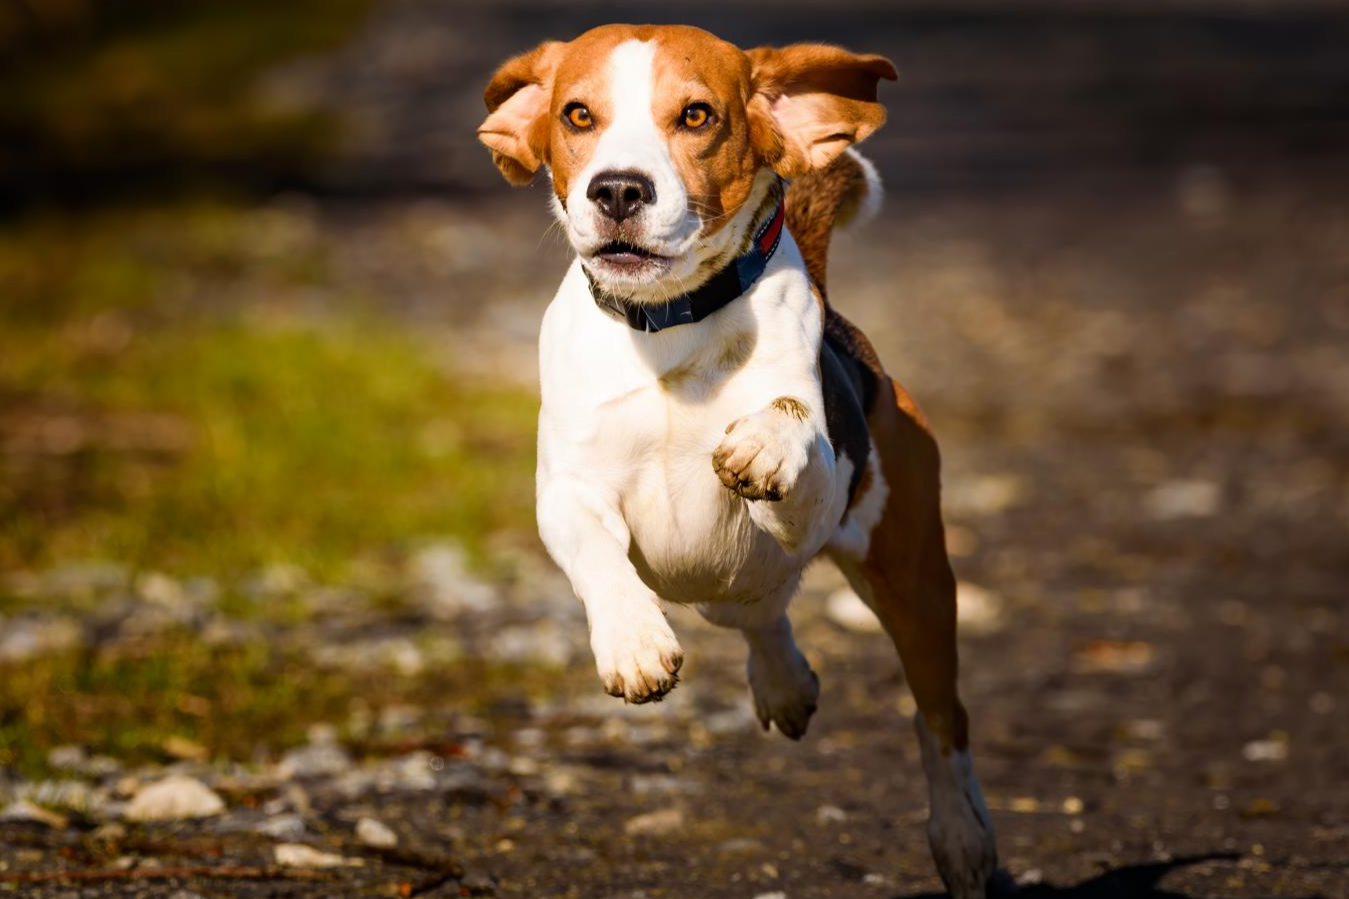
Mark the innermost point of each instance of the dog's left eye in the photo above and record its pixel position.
(695, 116)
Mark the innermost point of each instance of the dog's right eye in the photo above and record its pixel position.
(578, 116)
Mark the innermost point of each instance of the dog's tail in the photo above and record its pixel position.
(845, 192)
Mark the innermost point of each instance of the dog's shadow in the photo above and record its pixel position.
(1127, 882)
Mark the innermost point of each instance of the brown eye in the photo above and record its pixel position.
(695, 116)
(577, 116)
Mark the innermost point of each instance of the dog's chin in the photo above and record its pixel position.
(621, 267)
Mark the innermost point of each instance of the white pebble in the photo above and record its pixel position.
(174, 798)
(376, 833)
(298, 855)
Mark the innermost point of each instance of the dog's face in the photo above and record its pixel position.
(663, 141)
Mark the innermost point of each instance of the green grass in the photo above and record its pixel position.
(211, 430)
(191, 388)
(236, 702)
(173, 398)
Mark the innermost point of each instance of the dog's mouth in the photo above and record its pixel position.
(622, 256)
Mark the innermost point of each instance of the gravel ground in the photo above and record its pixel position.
(1142, 392)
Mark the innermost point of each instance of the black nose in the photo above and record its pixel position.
(621, 194)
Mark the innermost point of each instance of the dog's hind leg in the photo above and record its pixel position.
(903, 574)
(785, 688)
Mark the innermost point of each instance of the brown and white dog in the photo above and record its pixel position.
(709, 423)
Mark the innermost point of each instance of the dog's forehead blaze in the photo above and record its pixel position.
(688, 65)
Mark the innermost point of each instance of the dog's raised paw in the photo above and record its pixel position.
(763, 454)
(638, 657)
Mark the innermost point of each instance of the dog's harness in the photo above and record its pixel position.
(721, 290)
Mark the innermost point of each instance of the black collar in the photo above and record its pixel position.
(721, 289)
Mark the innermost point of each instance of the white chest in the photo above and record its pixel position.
(636, 418)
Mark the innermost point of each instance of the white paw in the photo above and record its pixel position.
(961, 832)
(636, 653)
(763, 454)
(785, 690)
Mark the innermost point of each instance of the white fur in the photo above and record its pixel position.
(630, 456)
(958, 828)
(871, 200)
(853, 537)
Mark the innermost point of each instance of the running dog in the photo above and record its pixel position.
(709, 422)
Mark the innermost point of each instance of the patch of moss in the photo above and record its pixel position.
(241, 702)
(167, 403)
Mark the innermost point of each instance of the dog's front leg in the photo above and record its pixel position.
(780, 459)
(636, 652)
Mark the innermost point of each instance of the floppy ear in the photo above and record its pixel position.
(811, 101)
(518, 98)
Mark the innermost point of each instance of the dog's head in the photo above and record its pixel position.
(664, 141)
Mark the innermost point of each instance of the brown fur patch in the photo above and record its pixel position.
(816, 203)
(913, 586)
(817, 100)
(791, 407)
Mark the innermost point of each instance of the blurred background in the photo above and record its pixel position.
(272, 609)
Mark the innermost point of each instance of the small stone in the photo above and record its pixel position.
(318, 759)
(478, 882)
(186, 894)
(1184, 498)
(740, 846)
(1030, 878)
(663, 784)
(23, 810)
(1274, 749)
(100, 766)
(376, 834)
(67, 758)
(846, 609)
(298, 855)
(775, 895)
(282, 827)
(830, 814)
(31, 636)
(110, 832)
(174, 798)
(656, 823)
(159, 589)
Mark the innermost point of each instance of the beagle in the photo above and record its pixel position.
(709, 422)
